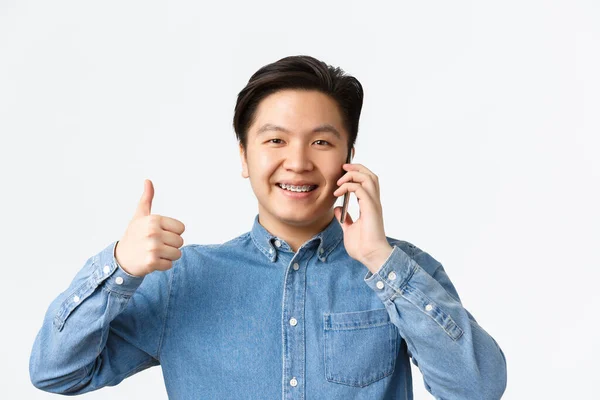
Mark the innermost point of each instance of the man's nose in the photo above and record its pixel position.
(298, 159)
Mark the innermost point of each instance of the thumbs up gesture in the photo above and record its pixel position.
(151, 242)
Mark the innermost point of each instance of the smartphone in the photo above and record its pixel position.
(347, 194)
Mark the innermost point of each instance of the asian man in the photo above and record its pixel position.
(300, 306)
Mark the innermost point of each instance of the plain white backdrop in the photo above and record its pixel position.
(481, 119)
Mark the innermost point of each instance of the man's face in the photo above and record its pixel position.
(297, 155)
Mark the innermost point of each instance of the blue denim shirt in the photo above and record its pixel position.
(251, 319)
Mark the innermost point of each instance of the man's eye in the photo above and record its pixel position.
(322, 141)
(270, 140)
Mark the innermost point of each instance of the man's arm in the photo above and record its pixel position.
(457, 357)
(106, 326)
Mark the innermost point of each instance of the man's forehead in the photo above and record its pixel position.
(298, 112)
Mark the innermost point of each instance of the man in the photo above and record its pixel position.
(299, 307)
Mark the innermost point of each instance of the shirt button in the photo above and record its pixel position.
(294, 382)
(293, 321)
(106, 269)
(296, 266)
(392, 276)
(379, 285)
(119, 280)
(429, 307)
(277, 243)
(76, 299)
(271, 251)
(321, 250)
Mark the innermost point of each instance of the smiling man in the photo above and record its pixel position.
(298, 307)
(293, 153)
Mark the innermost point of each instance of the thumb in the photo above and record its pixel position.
(338, 214)
(145, 205)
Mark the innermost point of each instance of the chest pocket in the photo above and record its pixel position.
(360, 347)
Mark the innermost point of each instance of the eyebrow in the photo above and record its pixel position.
(321, 128)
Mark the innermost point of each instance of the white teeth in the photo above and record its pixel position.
(305, 188)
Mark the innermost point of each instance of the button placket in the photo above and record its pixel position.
(294, 303)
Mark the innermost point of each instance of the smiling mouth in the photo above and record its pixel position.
(297, 189)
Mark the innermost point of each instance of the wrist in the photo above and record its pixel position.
(377, 258)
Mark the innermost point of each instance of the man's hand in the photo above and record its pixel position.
(364, 238)
(151, 241)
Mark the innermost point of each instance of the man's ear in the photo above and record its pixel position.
(244, 162)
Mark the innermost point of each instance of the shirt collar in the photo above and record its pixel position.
(326, 240)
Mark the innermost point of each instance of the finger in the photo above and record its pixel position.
(357, 167)
(169, 253)
(360, 177)
(338, 214)
(172, 225)
(145, 205)
(363, 169)
(357, 188)
(365, 200)
(172, 239)
(163, 264)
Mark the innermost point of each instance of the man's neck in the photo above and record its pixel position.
(294, 235)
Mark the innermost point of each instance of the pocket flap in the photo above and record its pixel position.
(357, 319)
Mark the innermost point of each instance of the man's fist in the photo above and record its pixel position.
(151, 242)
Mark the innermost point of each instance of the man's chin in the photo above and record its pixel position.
(302, 219)
(296, 219)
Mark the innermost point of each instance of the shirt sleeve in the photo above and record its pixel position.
(107, 325)
(457, 357)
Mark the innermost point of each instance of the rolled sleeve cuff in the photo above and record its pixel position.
(393, 274)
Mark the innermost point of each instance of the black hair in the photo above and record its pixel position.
(299, 72)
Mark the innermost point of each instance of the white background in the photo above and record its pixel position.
(481, 120)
